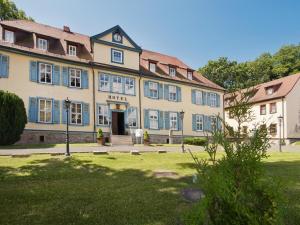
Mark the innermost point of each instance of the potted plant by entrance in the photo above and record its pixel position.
(146, 138)
(100, 136)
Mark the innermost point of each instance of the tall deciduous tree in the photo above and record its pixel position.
(9, 11)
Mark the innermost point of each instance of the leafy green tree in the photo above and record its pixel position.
(12, 118)
(9, 11)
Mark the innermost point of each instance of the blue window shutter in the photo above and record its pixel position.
(179, 122)
(146, 119)
(56, 75)
(33, 71)
(218, 100)
(219, 124)
(146, 89)
(194, 96)
(55, 111)
(178, 90)
(126, 116)
(86, 114)
(205, 123)
(209, 123)
(134, 89)
(33, 110)
(111, 83)
(64, 112)
(65, 75)
(208, 99)
(194, 122)
(84, 79)
(166, 90)
(167, 120)
(204, 102)
(161, 91)
(161, 120)
(4, 66)
(123, 84)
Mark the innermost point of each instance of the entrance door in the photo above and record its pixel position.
(118, 123)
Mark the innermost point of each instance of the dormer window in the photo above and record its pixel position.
(270, 90)
(9, 36)
(172, 71)
(42, 44)
(152, 67)
(72, 50)
(190, 75)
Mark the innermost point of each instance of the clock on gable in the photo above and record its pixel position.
(117, 37)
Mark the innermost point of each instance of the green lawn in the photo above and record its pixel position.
(114, 189)
(27, 146)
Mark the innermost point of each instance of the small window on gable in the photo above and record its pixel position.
(117, 37)
(9, 36)
(72, 50)
(270, 90)
(42, 44)
(172, 71)
(117, 56)
(190, 75)
(152, 67)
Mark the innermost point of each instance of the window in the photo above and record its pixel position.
(45, 71)
(103, 115)
(245, 129)
(117, 84)
(132, 117)
(42, 44)
(72, 50)
(116, 56)
(129, 86)
(172, 71)
(213, 123)
(75, 78)
(172, 93)
(104, 82)
(199, 122)
(153, 117)
(9, 36)
(273, 129)
(263, 110)
(270, 90)
(173, 121)
(190, 75)
(76, 113)
(273, 108)
(213, 99)
(152, 67)
(45, 111)
(198, 95)
(153, 87)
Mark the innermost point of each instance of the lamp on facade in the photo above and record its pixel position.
(280, 118)
(67, 104)
(182, 141)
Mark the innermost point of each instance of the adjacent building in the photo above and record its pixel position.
(276, 104)
(112, 83)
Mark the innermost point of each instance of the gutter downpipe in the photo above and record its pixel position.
(94, 94)
(283, 119)
(140, 101)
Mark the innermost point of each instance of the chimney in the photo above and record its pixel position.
(67, 29)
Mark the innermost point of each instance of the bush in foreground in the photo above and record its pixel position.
(195, 141)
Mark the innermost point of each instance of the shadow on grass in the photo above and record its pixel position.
(72, 191)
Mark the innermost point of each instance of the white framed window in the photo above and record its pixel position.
(104, 82)
(198, 95)
(132, 117)
(45, 111)
(103, 118)
(190, 75)
(172, 93)
(199, 122)
(172, 71)
(117, 84)
(213, 122)
(129, 86)
(75, 78)
(153, 89)
(273, 107)
(76, 113)
(42, 44)
(72, 50)
(213, 99)
(153, 119)
(116, 56)
(45, 73)
(152, 67)
(270, 90)
(173, 121)
(9, 36)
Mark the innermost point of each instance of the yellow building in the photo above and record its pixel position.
(112, 83)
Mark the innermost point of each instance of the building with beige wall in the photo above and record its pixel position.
(276, 104)
(112, 83)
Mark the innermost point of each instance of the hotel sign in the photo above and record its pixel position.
(117, 98)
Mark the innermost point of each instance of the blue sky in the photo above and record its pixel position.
(192, 30)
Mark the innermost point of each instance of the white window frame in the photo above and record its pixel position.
(199, 123)
(172, 93)
(75, 74)
(172, 71)
(42, 44)
(173, 121)
(129, 85)
(9, 36)
(153, 119)
(47, 73)
(117, 86)
(77, 114)
(45, 111)
(103, 112)
(153, 89)
(152, 67)
(275, 107)
(270, 90)
(198, 97)
(190, 75)
(213, 99)
(72, 50)
(132, 117)
(213, 121)
(104, 82)
(114, 59)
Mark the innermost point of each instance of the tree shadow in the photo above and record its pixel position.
(62, 190)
